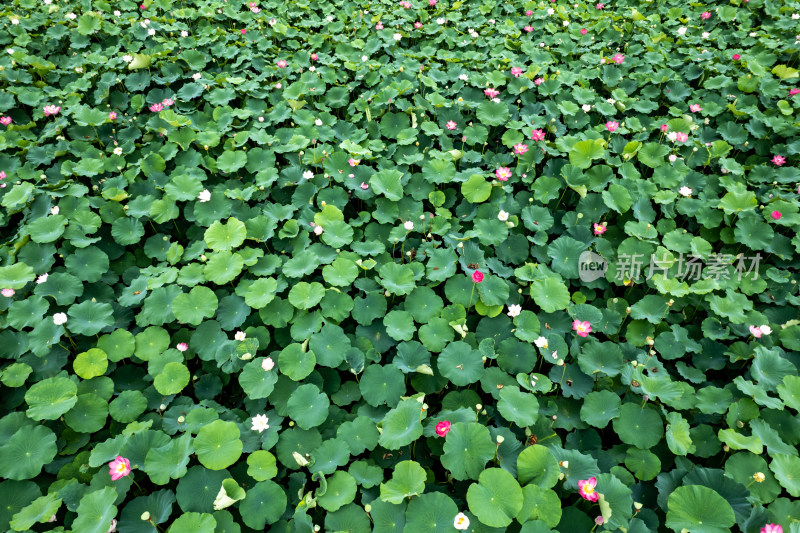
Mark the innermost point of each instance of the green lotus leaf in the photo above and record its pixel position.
(50, 398)
(193, 306)
(537, 465)
(217, 445)
(225, 236)
(199, 522)
(264, 504)
(467, 449)
(307, 406)
(639, 426)
(26, 451)
(700, 509)
(402, 425)
(91, 363)
(96, 510)
(38, 511)
(496, 498)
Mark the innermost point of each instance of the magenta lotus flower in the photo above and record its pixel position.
(477, 276)
(776, 215)
(681, 137)
(600, 6)
(155, 108)
(450, 125)
(112, 116)
(538, 81)
(51, 110)
(792, 92)
(736, 57)
(5, 121)
(779, 160)
(516, 71)
(243, 31)
(586, 489)
(705, 15)
(582, 328)
(537, 135)
(353, 162)
(443, 428)
(281, 63)
(618, 58)
(612, 126)
(694, 108)
(503, 173)
(520, 148)
(314, 57)
(599, 229)
(167, 102)
(664, 128)
(772, 528)
(431, 2)
(529, 13)
(119, 468)
(755, 331)
(584, 31)
(418, 24)
(182, 346)
(491, 93)
(2, 175)
(364, 185)
(528, 29)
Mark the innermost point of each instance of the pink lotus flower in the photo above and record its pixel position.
(314, 57)
(705, 15)
(599, 229)
(318, 230)
(112, 116)
(664, 128)
(600, 6)
(528, 29)
(529, 13)
(8, 293)
(618, 58)
(599, 520)
(431, 2)
(364, 185)
(281, 63)
(755, 331)
(503, 173)
(673, 158)
(582, 328)
(477, 276)
(779, 160)
(584, 31)
(450, 125)
(537, 135)
(586, 489)
(612, 126)
(538, 81)
(267, 364)
(682, 137)
(520, 149)
(736, 57)
(155, 108)
(418, 24)
(491, 93)
(792, 92)
(182, 346)
(776, 215)
(166, 102)
(243, 31)
(5, 121)
(694, 108)
(443, 428)
(516, 71)
(353, 162)
(379, 26)
(772, 528)
(51, 110)
(2, 175)
(119, 467)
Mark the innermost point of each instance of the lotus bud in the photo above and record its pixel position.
(759, 477)
(555, 417)
(565, 464)
(478, 407)
(561, 476)
(740, 424)
(368, 508)
(162, 407)
(145, 516)
(181, 419)
(637, 505)
(484, 358)
(500, 439)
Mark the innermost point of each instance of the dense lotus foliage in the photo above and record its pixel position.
(418, 266)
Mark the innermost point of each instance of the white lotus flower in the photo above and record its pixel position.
(682, 30)
(59, 318)
(184, 33)
(118, 150)
(766, 330)
(586, 108)
(685, 191)
(463, 77)
(541, 342)
(240, 335)
(672, 136)
(308, 174)
(551, 11)
(397, 36)
(461, 522)
(318, 122)
(260, 423)
(514, 310)
(441, 20)
(502, 215)
(127, 58)
(54, 210)
(204, 196)
(408, 225)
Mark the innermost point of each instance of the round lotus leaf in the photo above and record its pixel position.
(644, 464)
(15, 374)
(172, 379)
(16, 496)
(360, 434)
(639, 426)
(340, 491)
(431, 513)
(540, 504)
(88, 415)
(382, 385)
(459, 363)
(197, 490)
(519, 407)
(38, 511)
(537, 465)
(467, 449)
(193, 306)
(225, 236)
(307, 406)
(151, 343)
(261, 465)
(89, 318)
(96, 510)
(127, 407)
(90, 364)
(28, 449)
(599, 407)
(217, 445)
(255, 381)
(196, 522)
(117, 345)
(264, 504)
(699, 509)
(169, 461)
(51, 398)
(305, 295)
(295, 362)
(401, 426)
(408, 479)
(496, 498)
